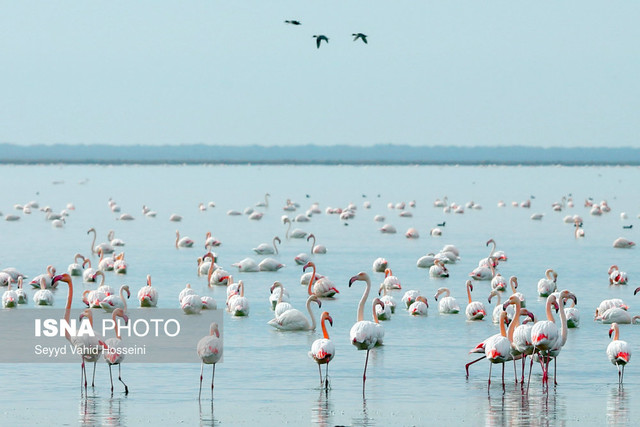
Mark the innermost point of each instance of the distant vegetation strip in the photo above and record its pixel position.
(387, 154)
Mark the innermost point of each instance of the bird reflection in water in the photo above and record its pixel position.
(206, 413)
(618, 407)
(517, 407)
(89, 411)
(364, 420)
(321, 414)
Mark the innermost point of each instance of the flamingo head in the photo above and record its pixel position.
(360, 276)
(423, 299)
(530, 315)
(326, 316)
(565, 294)
(126, 289)
(307, 265)
(636, 291)
(611, 331)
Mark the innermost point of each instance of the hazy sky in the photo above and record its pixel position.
(550, 73)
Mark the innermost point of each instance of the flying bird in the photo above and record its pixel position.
(320, 38)
(293, 22)
(357, 36)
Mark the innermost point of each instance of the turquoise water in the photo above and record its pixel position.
(266, 377)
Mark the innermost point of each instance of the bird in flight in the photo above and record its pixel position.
(357, 36)
(320, 38)
(293, 22)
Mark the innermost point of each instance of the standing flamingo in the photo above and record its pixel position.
(88, 346)
(184, 242)
(67, 311)
(497, 348)
(322, 287)
(323, 350)
(618, 351)
(391, 281)
(448, 304)
(210, 352)
(238, 305)
(316, 249)
(113, 354)
(365, 334)
(22, 295)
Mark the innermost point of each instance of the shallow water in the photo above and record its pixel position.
(267, 377)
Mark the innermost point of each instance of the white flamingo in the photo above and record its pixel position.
(410, 297)
(448, 304)
(147, 295)
(270, 264)
(239, 304)
(380, 265)
(48, 278)
(295, 233)
(365, 334)
(267, 249)
(295, 320)
(75, 269)
(88, 346)
(623, 243)
(438, 269)
(390, 281)
(113, 353)
(113, 241)
(497, 348)
(209, 350)
(112, 302)
(608, 303)
(323, 350)
(419, 307)
(618, 351)
(617, 277)
(9, 297)
(513, 281)
(44, 296)
(498, 283)
(183, 242)
(105, 246)
(475, 309)
(547, 285)
(323, 287)
(277, 299)
(22, 295)
(387, 299)
(89, 273)
(105, 263)
(316, 249)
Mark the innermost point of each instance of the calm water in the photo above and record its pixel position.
(267, 377)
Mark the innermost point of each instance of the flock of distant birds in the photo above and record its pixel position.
(538, 340)
(321, 37)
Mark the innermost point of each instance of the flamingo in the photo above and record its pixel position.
(278, 305)
(22, 295)
(547, 285)
(498, 283)
(88, 346)
(147, 295)
(210, 241)
(485, 272)
(322, 287)
(112, 302)
(105, 263)
(89, 273)
(498, 308)
(410, 297)
(365, 334)
(419, 307)
(113, 354)
(615, 315)
(270, 264)
(618, 351)
(106, 247)
(247, 265)
(266, 249)
(75, 269)
(426, 261)
(191, 304)
(390, 281)
(184, 242)
(497, 348)
(48, 278)
(608, 303)
(216, 275)
(387, 299)
(323, 350)
(316, 249)
(296, 233)
(208, 303)
(210, 352)
(475, 309)
(43, 296)
(265, 204)
(294, 320)
(513, 281)
(9, 297)
(120, 265)
(623, 243)
(520, 335)
(617, 277)
(438, 269)
(579, 232)
(380, 265)
(239, 304)
(388, 229)
(113, 241)
(447, 304)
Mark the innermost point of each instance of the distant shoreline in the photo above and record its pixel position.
(381, 154)
(304, 163)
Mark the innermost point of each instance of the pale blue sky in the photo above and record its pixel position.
(231, 72)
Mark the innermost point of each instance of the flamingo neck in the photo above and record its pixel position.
(115, 315)
(288, 228)
(210, 268)
(363, 300)
(503, 321)
(616, 332)
(325, 334)
(469, 291)
(515, 322)
(514, 284)
(177, 238)
(124, 301)
(67, 310)
(312, 280)
(313, 242)
(241, 288)
(549, 314)
(563, 320)
(375, 315)
(313, 319)
(93, 242)
(275, 248)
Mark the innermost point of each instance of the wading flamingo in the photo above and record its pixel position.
(106, 247)
(475, 309)
(316, 249)
(618, 351)
(147, 295)
(112, 302)
(547, 285)
(322, 287)
(267, 249)
(365, 334)
(75, 269)
(210, 352)
(323, 350)
(113, 353)
(294, 320)
(183, 242)
(448, 304)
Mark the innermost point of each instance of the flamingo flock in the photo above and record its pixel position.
(539, 341)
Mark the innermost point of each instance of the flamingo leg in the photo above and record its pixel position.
(111, 378)
(466, 367)
(93, 378)
(364, 375)
(200, 391)
(503, 376)
(490, 366)
(530, 369)
(524, 359)
(622, 376)
(320, 372)
(213, 375)
(326, 377)
(515, 371)
(84, 373)
(554, 372)
(126, 389)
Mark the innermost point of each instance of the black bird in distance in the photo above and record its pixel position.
(319, 39)
(293, 22)
(361, 36)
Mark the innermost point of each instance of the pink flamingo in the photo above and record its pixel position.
(323, 350)
(210, 352)
(113, 354)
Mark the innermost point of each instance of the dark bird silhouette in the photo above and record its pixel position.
(442, 224)
(357, 36)
(319, 39)
(293, 22)
(627, 226)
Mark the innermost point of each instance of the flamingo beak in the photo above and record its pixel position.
(610, 332)
(126, 319)
(330, 320)
(636, 291)
(505, 305)
(353, 279)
